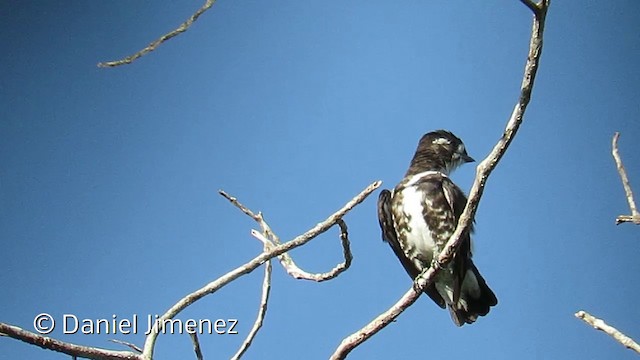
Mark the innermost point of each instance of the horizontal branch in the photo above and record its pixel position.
(599, 324)
(65, 347)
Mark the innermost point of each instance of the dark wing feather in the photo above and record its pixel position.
(389, 235)
(462, 262)
(457, 201)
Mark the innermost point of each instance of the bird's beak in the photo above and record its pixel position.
(467, 158)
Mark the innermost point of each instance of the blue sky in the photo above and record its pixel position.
(109, 177)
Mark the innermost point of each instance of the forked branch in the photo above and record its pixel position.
(270, 251)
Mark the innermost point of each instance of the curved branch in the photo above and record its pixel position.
(297, 273)
(483, 171)
(154, 45)
(252, 265)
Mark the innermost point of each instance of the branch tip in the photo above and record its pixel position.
(599, 324)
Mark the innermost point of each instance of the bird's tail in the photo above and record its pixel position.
(476, 298)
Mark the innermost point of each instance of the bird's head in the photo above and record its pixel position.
(440, 151)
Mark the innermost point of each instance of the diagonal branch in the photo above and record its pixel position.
(217, 284)
(482, 173)
(262, 309)
(635, 215)
(154, 45)
(599, 324)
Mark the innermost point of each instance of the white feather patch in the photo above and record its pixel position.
(420, 236)
(417, 177)
(441, 141)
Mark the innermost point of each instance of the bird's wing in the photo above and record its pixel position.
(457, 201)
(389, 235)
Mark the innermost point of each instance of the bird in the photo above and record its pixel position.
(418, 217)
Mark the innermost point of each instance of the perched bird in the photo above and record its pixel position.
(419, 216)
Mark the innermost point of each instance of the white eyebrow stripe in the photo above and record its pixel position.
(441, 141)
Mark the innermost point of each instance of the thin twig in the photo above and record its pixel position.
(262, 310)
(252, 265)
(266, 283)
(65, 347)
(131, 346)
(182, 28)
(635, 215)
(483, 171)
(196, 345)
(599, 324)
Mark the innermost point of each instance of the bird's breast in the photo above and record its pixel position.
(414, 235)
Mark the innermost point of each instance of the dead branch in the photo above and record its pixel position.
(252, 265)
(599, 324)
(147, 351)
(262, 308)
(196, 345)
(270, 238)
(154, 45)
(65, 347)
(635, 215)
(483, 171)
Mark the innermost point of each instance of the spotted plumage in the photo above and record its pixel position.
(419, 216)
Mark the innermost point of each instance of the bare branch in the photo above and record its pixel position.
(253, 264)
(352, 341)
(296, 272)
(268, 236)
(262, 310)
(196, 345)
(483, 171)
(599, 324)
(131, 346)
(635, 215)
(269, 239)
(182, 28)
(233, 200)
(65, 347)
